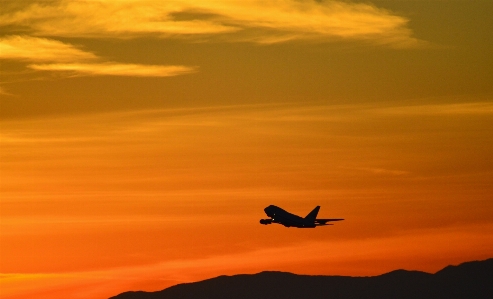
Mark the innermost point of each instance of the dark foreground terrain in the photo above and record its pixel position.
(471, 280)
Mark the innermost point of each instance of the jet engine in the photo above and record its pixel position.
(265, 221)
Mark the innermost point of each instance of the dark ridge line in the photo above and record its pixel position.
(469, 280)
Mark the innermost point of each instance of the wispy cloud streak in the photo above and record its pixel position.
(4, 92)
(116, 69)
(439, 109)
(73, 61)
(270, 21)
(29, 48)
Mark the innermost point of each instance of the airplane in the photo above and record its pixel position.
(278, 215)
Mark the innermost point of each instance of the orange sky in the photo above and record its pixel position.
(139, 154)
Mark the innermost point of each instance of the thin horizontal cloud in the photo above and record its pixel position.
(116, 69)
(380, 171)
(4, 92)
(271, 21)
(439, 109)
(76, 62)
(29, 48)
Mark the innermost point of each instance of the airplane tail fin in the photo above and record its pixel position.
(313, 214)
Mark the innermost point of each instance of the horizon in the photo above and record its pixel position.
(473, 275)
(407, 270)
(141, 140)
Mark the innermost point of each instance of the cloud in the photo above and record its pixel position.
(40, 49)
(268, 21)
(439, 109)
(116, 69)
(68, 58)
(110, 18)
(326, 20)
(4, 92)
(380, 171)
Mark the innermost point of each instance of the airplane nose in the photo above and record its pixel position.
(268, 211)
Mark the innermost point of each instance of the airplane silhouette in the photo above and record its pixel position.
(278, 215)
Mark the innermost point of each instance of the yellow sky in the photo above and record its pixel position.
(141, 140)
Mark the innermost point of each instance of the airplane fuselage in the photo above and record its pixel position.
(287, 219)
(278, 215)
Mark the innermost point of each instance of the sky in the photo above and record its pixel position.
(140, 141)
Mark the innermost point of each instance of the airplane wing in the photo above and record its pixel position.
(324, 221)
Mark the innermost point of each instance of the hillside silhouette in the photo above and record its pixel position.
(471, 280)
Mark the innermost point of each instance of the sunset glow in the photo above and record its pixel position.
(140, 141)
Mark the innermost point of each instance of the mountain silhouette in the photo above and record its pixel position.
(471, 280)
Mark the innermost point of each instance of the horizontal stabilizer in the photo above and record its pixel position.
(324, 221)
